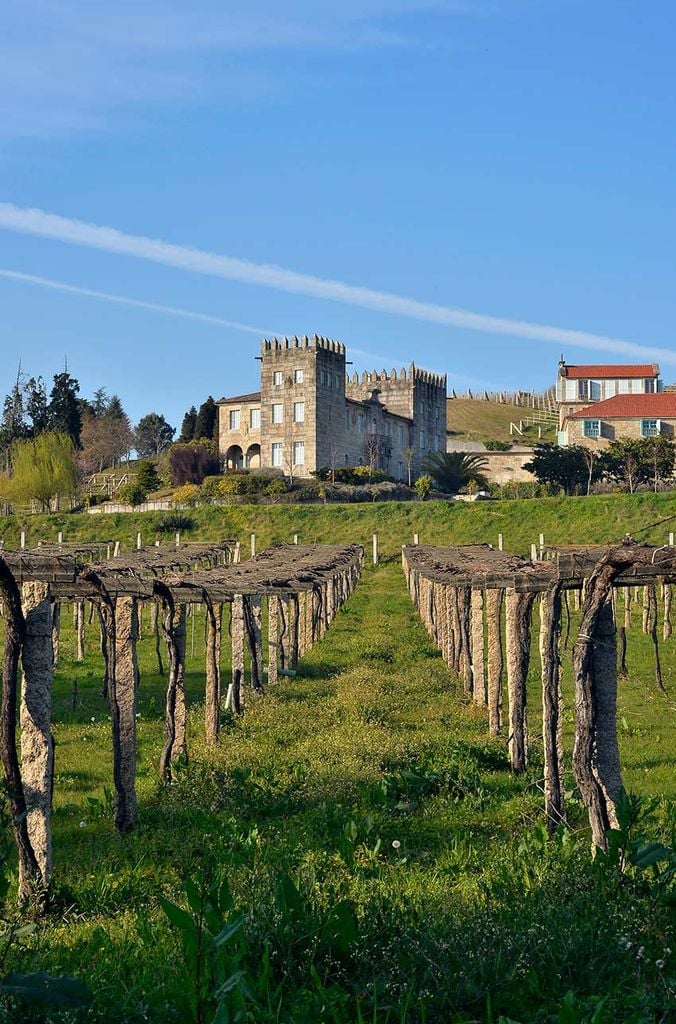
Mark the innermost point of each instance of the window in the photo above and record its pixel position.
(347, 420)
(255, 419)
(401, 435)
(421, 439)
(650, 428)
(361, 422)
(401, 470)
(276, 454)
(324, 377)
(299, 412)
(592, 428)
(299, 453)
(298, 376)
(277, 412)
(277, 378)
(650, 388)
(583, 390)
(234, 419)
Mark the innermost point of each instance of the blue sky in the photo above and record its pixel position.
(512, 158)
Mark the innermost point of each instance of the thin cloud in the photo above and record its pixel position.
(156, 307)
(107, 239)
(123, 300)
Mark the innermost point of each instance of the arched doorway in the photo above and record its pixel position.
(234, 459)
(253, 456)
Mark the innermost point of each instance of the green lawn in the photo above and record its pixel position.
(371, 783)
(562, 520)
(469, 419)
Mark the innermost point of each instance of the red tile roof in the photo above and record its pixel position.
(603, 371)
(659, 406)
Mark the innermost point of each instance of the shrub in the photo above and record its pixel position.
(497, 446)
(423, 486)
(131, 494)
(275, 489)
(147, 476)
(192, 462)
(188, 494)
(212, 487)
(176, 522)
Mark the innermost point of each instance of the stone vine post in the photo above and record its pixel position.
(237, 637)
(123, 707)
(494, 602)
(518, 609)
(37, 744)
(552, 709)
(478, 669)
(273, 629)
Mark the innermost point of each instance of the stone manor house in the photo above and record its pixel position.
(309, 414)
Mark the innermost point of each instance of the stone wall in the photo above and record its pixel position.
(612, 430)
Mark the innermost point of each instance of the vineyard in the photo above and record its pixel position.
(306, 787)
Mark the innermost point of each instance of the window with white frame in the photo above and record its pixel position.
(299, 453)
(277, 412)
(276, 453)
(298, 376)
(650, 428)
(234, 419)
(255, 419)
(277, 378)
(299, 412)
(592, 428)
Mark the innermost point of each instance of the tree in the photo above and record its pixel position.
(661, 454)
(631, 462)
(372, 446)
(63, 414)
(152, 435)
(207, 420)
(36, 405)
(43, 468)
(570, 468)
(146, 476)
(453, 470)
(13, 425)
(188, 425)
(409, 456)
(624, 462)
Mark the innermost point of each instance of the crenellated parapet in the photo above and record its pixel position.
(296, 342)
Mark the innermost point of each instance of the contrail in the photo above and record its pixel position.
(93, 236)
(123, 300)
(156, 307)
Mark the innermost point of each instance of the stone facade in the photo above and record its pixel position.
(309, 415)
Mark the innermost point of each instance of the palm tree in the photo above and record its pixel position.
(453, 470)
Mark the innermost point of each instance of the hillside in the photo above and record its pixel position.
(471, 419)
(562, 520)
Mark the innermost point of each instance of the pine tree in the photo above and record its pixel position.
(36, 405)
(188, 425)
(64, 412)
(207, 418)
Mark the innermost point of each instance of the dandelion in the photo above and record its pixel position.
(396, 844)
(93, 718)
(641, 953)
(83, 824)
(659, 964)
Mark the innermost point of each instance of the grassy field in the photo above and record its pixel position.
(474, 420)
(599, 518)
(384, 863)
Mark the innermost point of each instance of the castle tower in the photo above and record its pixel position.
(302, 402)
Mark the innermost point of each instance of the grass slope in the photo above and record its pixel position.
(597, 519)
(370, 783)
(469, 419)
